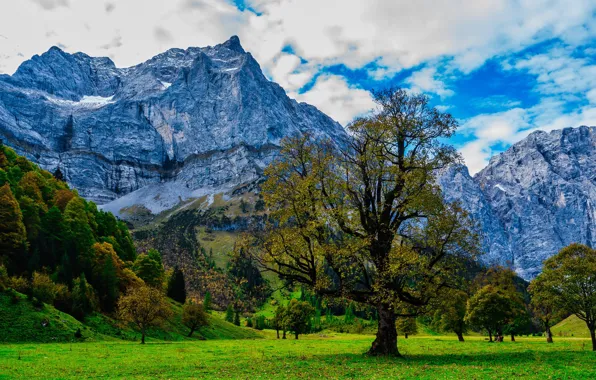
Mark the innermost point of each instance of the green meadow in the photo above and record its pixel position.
(312, 356)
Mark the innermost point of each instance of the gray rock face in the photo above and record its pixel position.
(533, 199)
(457, 185)
(203, 118)
(543, 191)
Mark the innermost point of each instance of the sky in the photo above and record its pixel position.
(503, 68)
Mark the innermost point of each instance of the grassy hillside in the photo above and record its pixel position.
(571, 326)
(23, 322)
(27, 323)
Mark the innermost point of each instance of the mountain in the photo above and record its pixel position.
(180, 125)
(187, 124)
(533, 199)
(543, 191)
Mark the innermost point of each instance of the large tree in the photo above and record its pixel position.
(569, 279)
(364, 219)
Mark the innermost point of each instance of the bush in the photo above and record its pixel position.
(43, 288)
(20, 284)
(63, 300)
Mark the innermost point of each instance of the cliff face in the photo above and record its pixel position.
(533, 199)
(181, 124)
(543, 191)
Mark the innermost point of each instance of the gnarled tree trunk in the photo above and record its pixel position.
(460, 336)
(385, 343)
(512, 337)
(593, 336)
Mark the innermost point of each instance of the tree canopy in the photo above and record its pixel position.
(364, 219)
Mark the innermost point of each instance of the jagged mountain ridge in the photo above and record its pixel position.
(178, 125)
(203, 120)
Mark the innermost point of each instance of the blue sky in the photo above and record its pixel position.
(504, 68)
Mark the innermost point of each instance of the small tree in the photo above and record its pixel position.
(84, 299)
(490, 308)
(145, 307)
(406, 326)
(568, 279)
(451, 312)
(177, 286)
(543, 306)
(193, 316)
(207, 302)
(280, 320)
(299, 314)
(229, 314)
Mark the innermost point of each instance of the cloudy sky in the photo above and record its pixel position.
(503, 67)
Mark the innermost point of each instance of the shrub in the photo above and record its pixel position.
(63, 300)
(20, 284)
(43, 288)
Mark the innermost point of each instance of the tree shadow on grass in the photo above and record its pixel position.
(509, 358)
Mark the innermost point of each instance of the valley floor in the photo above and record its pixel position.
(312, 356)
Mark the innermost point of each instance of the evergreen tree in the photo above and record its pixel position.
(13, 236)
(229, 314)
(83, 298)
(237, 318)
(176, 286)
(207, 302)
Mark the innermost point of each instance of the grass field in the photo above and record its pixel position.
(314, 356)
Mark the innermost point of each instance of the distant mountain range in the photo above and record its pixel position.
(199, 121)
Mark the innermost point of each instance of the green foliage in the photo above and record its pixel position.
(149, 268)
(84, 299)
(45, 227)
(176, 286)
(144, 307)
(229, 314)
(491, 308)
(13, 237)
(207, 302)
(567, 283)
(406, 326)
(298, 316)
(43, 288)
(194, 316)
(451, 311)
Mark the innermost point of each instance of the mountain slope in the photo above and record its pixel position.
(177, 126)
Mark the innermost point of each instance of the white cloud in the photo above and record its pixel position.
(332, 95)
(425, 80)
